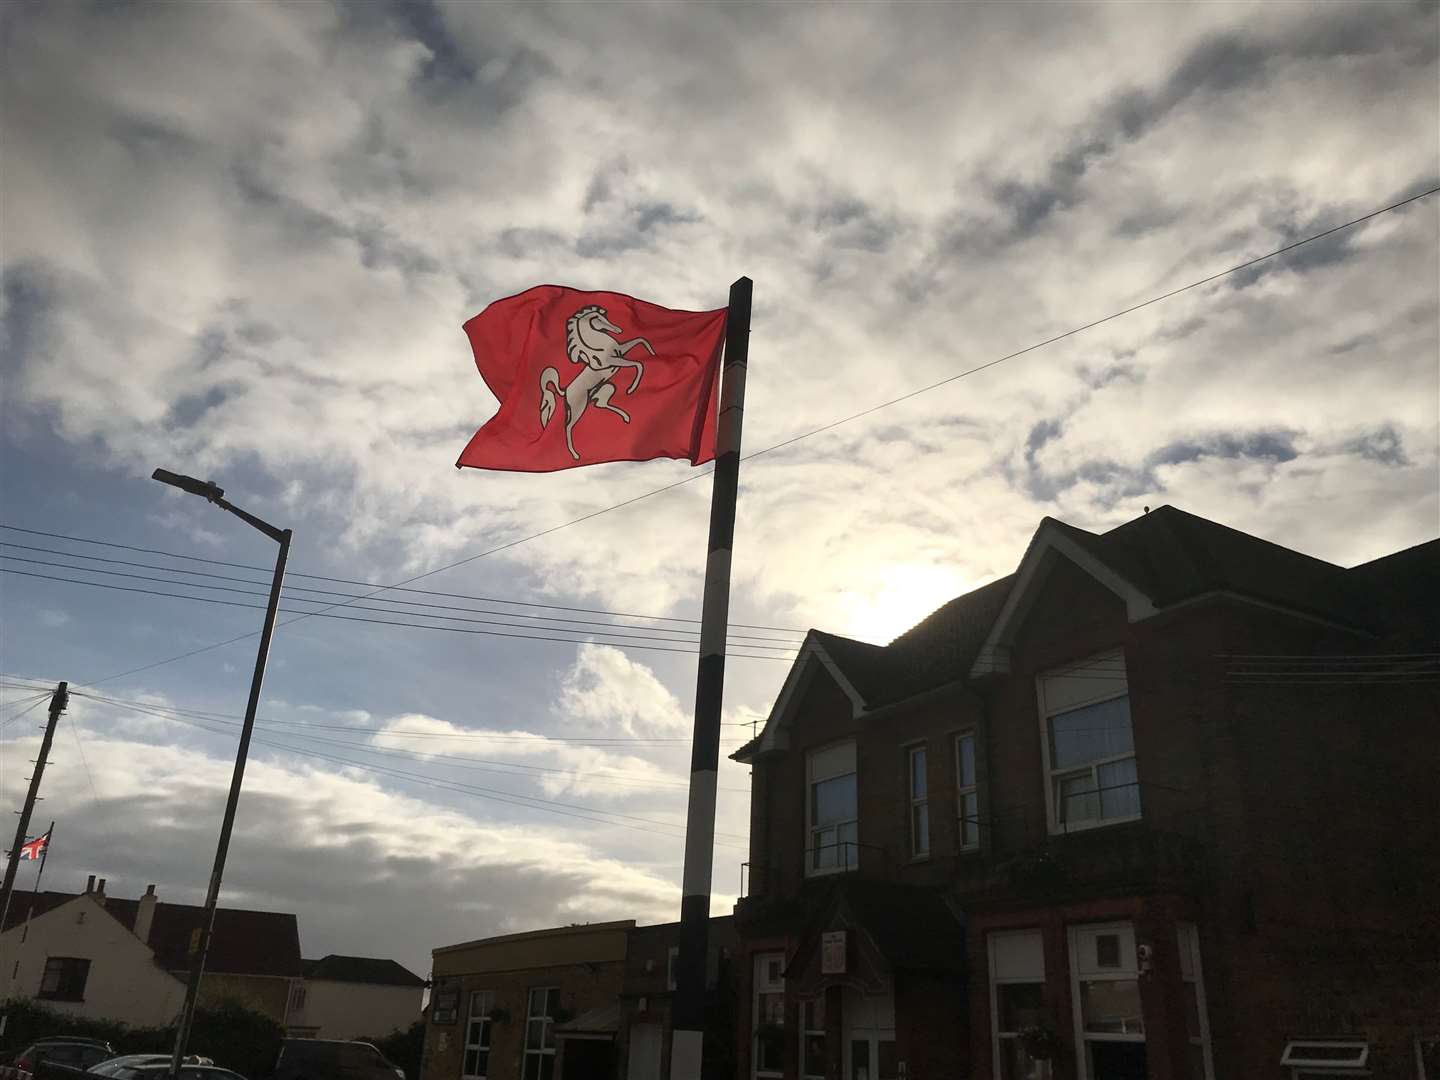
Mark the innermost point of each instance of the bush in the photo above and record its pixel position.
(234, 1036)
(403, 1048)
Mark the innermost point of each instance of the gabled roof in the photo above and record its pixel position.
(243, 942)
(1161, 559)
(361, 969)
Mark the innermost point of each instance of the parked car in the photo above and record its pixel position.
(61, 1050)
(331, 1059)
(130, 1066)
(156, 1070)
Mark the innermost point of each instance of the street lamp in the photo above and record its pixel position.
(210, 491)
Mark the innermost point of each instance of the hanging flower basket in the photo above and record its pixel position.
(1040, 1042)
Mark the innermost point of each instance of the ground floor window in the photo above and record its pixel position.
(1105, 985)
(812, 1039)
(540, 1033)
(768, 1015)
(1017, 1003)
(477, 1035)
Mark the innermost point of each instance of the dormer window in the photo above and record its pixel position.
(1088, 744)
(832, 810)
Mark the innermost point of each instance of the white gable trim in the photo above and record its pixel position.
(1048, 544)
(812, 657)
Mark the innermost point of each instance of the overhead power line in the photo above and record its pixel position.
(292, 591)
(327, 614)
(550, 806)
(608, 777)
(347, 581)
(1247, 264)
(370, 729)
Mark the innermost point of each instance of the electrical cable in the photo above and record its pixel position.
(327, 614)
(844, 420)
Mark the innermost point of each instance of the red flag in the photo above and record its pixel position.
(585, 377)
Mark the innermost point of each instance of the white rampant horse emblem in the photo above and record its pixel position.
(591, 340)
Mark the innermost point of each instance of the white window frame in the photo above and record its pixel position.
(1294, 1058)
(1094, 669)
(549, 1022)
(843, 855)
(918, 804)
(996, 981)
(962, 790)
(763, 984)
(486, 1000)
(1188, 935)
(805, 1032)
(1129, 970)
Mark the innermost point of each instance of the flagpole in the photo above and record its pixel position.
(39, 873)
(688, 1016)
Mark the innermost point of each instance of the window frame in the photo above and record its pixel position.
(1127, 971)
(917, 806)
(763, 985)
(996, 981)
(542, 1051)
(812, 848)
(1121, 689)
(962, 790)
(1188, 938)
(60, 991)
(810, 1010)
(466, 1045)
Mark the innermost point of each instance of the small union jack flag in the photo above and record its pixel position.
(33, 849)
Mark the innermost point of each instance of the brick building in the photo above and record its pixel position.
(1158, 804)
(587, 1002)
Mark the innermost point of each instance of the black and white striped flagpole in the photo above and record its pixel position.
(688, 1017)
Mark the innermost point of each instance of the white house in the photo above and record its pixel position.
(348, 997)
(77, 957)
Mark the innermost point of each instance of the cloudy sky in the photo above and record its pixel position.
(239, 241)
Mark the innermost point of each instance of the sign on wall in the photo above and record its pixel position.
(833, 948)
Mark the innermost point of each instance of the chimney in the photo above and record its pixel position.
(100, 888)
(145, 915)
(90, 884)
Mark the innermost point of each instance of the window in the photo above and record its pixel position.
(1326, 1057)
(812, 1039)
(768, 1016)
(297, 997)
(1089, 751)
(1197, 1022)
(64, 979)
(477, 1035)
(919, 803)
(1017, 1001)
(1105, 980)
(968, 799)
(672, 954)
(540, 1033)
(832, 811)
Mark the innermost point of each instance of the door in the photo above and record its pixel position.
(644, 1052)
(870, 1037)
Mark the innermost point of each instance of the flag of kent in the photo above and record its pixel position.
(586, 377)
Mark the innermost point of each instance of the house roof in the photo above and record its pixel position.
(1162, 558)
(914, 927)
(243, 942)
(361, 969)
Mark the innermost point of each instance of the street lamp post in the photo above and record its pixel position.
(200, 945)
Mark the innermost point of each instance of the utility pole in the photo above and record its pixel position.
(58, 700)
